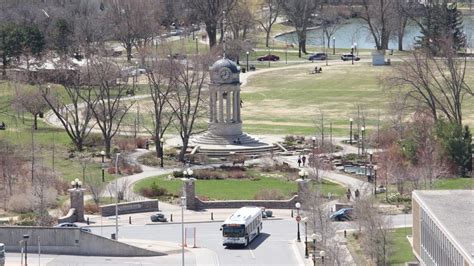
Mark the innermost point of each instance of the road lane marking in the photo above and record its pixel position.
(251, 252)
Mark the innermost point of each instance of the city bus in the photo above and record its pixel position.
(242, 226)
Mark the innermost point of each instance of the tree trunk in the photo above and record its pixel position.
(108, 145)
(267, 38)
(35, 123)
(182, 153)
(4, 65)
(400, 42)
(129, 52)
(303, 42)
(211, 34)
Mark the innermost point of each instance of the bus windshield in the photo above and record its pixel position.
(233, 231)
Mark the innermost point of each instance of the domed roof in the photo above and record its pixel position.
(225, 62)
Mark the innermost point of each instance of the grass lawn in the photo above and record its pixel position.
(400, 247)
(454, 183)
(234, 189)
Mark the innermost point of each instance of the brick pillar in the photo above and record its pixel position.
(303, 189)
(77, 202)
(189, 189)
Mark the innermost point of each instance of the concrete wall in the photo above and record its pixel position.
(70, 217)
(130, 207)
(70, 241)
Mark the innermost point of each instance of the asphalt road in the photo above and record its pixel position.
(274, 246)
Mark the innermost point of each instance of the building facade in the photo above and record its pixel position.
(443, 227)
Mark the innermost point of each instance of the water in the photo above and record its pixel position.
(356, 31)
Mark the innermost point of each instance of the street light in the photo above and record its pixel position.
(303, 173)
(322, 253)
(102, 154)
(350, 130)
(247, 53)
(370, 171)
(25, 240)
(362, 130)
(352, 53)
(305, 220)
(314, 236)
(116, 195)
(333, 45)
(188, 173)
(162, 143)
(76, 183)
(355, 47)
(298, 206)
(183, 203)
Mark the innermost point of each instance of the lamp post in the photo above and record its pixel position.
(355, 47)
(371, 169)
(183, 203)
(162, 143)
(188, 173)
(305, 220)
(350, 130)
(116, 195)
(322, 253)
(362, 130)
(303, 174)
(313, 236)
(298, 206)
(247, 53)
(313, 138)
(352, 53)
(25, 240)
(333, 45)
(102, 154)
(76, 183)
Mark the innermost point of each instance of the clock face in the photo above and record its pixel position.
(225, 73)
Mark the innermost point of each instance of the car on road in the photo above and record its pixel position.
(344, 214)
(158, 217)
(73, 225)
(348, 57)
(317, 56)
(268, 57)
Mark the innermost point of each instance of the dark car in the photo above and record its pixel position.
(317, 56)
(73, 225)
(268, 57)
(344, 214)
(348, 57)
(158, 217)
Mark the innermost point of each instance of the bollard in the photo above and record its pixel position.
(212, 216)
(129, 219)
(87, 221)
(112, 236)
(345, 234)
(171, 217)
(291, 213)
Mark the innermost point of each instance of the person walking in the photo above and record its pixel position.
(303, 160)
(349, 194)
(357, 194)
(299, 161)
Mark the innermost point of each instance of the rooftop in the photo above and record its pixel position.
(454, 210)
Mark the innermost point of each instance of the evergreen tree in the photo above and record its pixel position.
(457, 145)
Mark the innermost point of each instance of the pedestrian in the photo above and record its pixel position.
(299, 161)
(303, 160)
(147, 144)
(348, 194)
(357, 193)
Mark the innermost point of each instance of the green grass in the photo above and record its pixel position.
(453, 183)
(400, 248)
(235, 189)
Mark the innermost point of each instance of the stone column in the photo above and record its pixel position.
(234, 106)
(190, 193)
(214, 108)
(221, 107)
(211, 106)
(77, 202)
(238, 107)
(227, 105)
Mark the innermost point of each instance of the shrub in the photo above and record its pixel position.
(178, 174)
(20, 203)
(149, 159)
(237, 175)
(394, 197)
(269, 194)
(26, 219)
(61, 186)
(140, 142)
(91, 208)
(125, 144)
(94, 140)
(153, 191)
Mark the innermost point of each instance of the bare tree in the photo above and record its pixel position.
(44, 193)
(187, 98)
(95, 186)
(11, 169)
(374, 230)
(111, 106)
(299, 14)
(267, 16)
(211, 12)
(438, 84)
(240, 20)
(31, 102)
(331, 20)
(379, 15)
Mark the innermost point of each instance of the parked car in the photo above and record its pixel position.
(266, 213)
(268, 57)
(317, 56)
(348, 57)
(73, 225)
(344, 214)
(158, 217)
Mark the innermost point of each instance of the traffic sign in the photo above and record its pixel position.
(298, 218)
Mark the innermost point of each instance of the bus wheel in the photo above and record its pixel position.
(246, 241)
(258, 231)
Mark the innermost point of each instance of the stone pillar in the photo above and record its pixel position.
(238, 107)
(235, 106)
(77, 202)
(227, 105)
(303, 189)
(221, 107)
(211, 106)
(189, 190)
(214, 104)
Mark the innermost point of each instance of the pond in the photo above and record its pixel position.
(356, 31)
